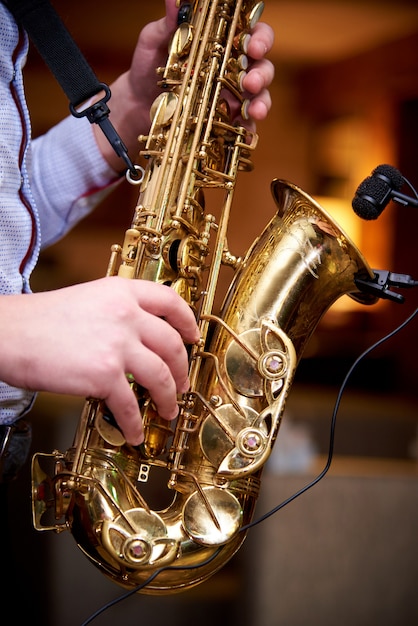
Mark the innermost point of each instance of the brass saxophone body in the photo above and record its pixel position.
(242, 370)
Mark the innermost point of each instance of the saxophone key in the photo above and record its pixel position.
(182, 40)
(185, 13)
(115, 255)
(255, 14)
(244, 109)
(130, 245)
(157, 431)
(107, 428)
(241, 42)
(212, 516)
(163, 108)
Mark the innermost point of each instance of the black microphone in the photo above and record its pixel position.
(377, 190)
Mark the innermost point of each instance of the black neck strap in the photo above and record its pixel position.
(65, 60)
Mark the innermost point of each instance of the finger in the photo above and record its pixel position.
(162, 301)
(153, 374)
(259, 76)
(261, 41)
(259, 107)
(123, 404)
(171, 14)
(163, 340)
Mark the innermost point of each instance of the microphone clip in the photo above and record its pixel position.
(380, 285)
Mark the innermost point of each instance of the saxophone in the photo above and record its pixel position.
(209, 464)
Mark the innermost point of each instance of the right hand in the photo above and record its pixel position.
(83, 340)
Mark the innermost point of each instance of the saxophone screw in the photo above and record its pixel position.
(188, 404)
(220, 481)
(136, 551)
(251, 442)
(273, 365)
(215, 401)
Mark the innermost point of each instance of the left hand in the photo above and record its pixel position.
(135, 90)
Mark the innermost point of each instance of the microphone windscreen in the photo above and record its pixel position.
(395, 177)
(370, 197)
(365, 209)
(374, 193)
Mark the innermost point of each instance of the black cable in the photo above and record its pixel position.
(333, 425)
(412, 188)
(138, 588)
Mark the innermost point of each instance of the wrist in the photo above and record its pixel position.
(129, 115)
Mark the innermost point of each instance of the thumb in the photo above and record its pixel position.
(171, 11)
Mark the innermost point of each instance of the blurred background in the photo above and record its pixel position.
(345, 99)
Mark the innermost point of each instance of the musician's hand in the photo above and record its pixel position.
(151, 52)
(134, 91)
(84, 340)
